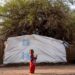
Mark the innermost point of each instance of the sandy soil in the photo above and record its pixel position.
(40, 70)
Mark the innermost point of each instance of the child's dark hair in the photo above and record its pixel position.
(32, 50)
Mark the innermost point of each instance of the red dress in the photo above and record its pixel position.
(32, 64)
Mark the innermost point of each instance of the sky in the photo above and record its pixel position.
(72, 6)
(2, 2)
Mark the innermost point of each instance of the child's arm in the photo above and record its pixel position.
(36, 57)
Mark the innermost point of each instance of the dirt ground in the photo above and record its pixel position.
(40, 70)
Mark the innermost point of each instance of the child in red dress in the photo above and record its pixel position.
(32, 61)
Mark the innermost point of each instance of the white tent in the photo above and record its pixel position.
(48, 49)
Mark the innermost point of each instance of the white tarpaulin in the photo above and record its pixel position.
(47, 49)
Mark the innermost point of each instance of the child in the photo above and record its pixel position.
(32, 61)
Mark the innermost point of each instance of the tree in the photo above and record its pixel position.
(72, 24)
(49, 18)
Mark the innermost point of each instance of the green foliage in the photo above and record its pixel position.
(49, 18)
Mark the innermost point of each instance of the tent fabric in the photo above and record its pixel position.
(47, 49)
